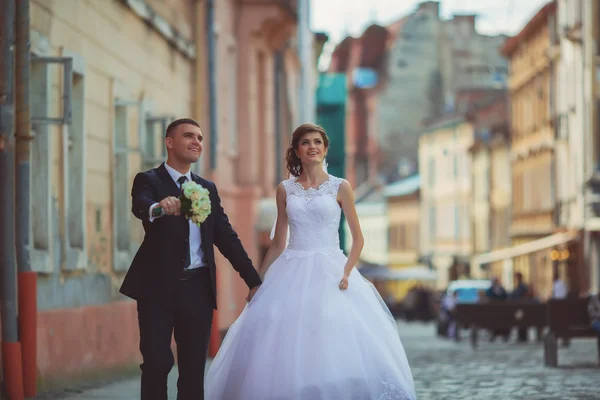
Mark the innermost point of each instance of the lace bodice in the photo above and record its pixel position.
(313, 215)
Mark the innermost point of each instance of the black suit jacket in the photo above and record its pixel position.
(158, 264)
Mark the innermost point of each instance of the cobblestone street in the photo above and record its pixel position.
(446, 370)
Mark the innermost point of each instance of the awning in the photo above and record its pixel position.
(525, 248)
(401, 274)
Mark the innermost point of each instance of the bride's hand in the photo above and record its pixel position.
(344, 283)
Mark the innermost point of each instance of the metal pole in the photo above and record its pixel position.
(11, 348)
(215, 334)
(27, 286)
(304, 55)
(278, 125)
(23, 133)
(212, 81)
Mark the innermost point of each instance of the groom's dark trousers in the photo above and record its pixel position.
(171, 300)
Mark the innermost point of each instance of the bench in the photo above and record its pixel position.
(567, 319)
(500, 315)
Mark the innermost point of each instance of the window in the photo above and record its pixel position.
(151, 133)
(73, 141)
(457, 220)
(121, 199)
(153, 147)
(45, 93)
(431, 171)
(40, 192)
(432, 221)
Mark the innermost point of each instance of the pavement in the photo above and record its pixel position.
(447, 370)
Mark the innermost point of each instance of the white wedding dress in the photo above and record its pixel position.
(301, 337)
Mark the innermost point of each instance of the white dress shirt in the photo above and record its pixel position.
(195, 240)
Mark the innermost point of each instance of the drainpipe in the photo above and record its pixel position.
(215, 333)
(278, 110)
(304, 49)
(212, 81)
(27, 286)
(11, 348)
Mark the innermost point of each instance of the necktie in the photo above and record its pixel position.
(182, 179)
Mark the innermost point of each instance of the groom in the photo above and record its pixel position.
(173, 274)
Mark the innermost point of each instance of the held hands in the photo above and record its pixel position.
(344, 282)
(170, 205)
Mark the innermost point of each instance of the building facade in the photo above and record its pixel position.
(590, 31)
(445, 167)
(491, 207)
(404, 214)
(533, 143)
(148, 66)
(544, 236)
(429, 60)
(361, 60)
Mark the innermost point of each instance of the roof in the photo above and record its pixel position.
(404, 187)
(373, 43)
(446, 121)
(394, 29)
(538, 20)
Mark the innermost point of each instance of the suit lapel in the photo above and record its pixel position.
(166, 179)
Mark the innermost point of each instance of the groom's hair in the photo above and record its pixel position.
(178, 122)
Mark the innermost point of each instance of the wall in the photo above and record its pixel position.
(129, 82)
(446, 188)
(374, 225)
(83, 234)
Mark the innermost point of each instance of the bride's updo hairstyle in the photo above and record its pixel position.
(292, 162)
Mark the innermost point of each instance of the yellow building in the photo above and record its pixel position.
(532, 134)
(403, 215)
(539, 245)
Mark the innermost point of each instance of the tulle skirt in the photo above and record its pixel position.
(302, 338)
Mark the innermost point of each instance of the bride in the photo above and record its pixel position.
(316, 329)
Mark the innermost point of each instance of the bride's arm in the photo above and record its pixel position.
(280, 237)
(346, 199)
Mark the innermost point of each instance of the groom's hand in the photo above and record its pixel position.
(252, 293)
(170, 205)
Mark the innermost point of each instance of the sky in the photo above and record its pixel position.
(338, 18)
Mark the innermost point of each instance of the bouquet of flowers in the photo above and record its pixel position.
(195, 203)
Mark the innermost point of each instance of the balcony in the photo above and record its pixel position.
(272, 19)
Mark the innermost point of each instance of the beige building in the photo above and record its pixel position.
(445, 167)
(372, 215)
(137, 65)
(541, 241)
(404, 214)
(534, 197)
(590, 32)
(491, 190)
